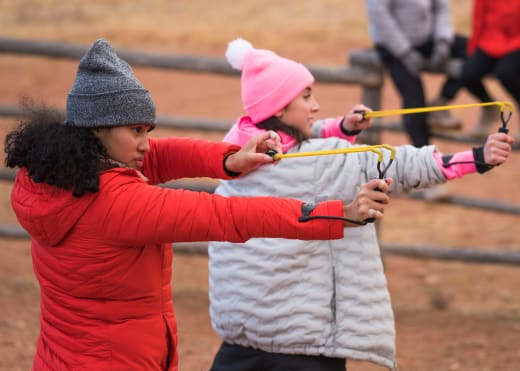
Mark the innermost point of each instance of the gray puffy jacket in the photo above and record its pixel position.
(312, 297)
(399, 25)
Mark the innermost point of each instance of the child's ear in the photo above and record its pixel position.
(280, 114)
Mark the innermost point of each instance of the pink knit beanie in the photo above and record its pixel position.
(269, 82)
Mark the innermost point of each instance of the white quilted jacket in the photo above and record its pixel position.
(313, 297)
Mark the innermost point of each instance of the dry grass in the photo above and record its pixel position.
(309, 28)
(450, 316)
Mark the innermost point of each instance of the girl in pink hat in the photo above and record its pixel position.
(269, 84)
(300, 305)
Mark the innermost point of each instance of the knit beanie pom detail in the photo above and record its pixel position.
(269, 82)
(237, 51)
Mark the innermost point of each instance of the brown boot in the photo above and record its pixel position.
(442, 120)
(488, 116)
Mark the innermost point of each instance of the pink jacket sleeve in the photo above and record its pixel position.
(460, 164)
(332, 128)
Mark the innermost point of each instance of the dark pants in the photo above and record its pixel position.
(412, 92)
(237, 358)
(506, 70)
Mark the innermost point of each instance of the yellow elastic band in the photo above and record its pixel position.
(407, 111)
(388, 147)
(376, 149)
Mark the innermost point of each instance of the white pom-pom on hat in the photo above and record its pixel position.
(237, 51)
(268, 82)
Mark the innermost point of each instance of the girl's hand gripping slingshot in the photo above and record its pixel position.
(407, 111)
(484, 159)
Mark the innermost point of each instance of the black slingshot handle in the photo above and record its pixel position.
(372, 220)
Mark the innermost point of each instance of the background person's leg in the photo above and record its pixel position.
(412, 95)
(473, 71)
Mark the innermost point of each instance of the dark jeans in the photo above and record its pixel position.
(412, 92)
(237, 358)
(506, 70)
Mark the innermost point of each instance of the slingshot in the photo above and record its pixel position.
(375, 148)
(407, 111)
(381, 168)
(378, 148)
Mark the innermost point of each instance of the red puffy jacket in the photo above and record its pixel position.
(104, 260)
(496, 27)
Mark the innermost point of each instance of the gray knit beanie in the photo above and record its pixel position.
(106, 92)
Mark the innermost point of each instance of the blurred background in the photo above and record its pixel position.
(449, 315)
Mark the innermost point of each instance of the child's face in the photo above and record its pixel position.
(299, 114)
(126, 144)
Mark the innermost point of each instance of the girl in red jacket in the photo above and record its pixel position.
(494, 47)
(101, 232)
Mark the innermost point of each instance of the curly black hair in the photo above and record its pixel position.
(55, 153)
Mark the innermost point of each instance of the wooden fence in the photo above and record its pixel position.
(363, 71)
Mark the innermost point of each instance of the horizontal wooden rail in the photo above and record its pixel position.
(167, 122)
(468, 255)
(208, 125)
(368, 60)
(189, 63)
(505, 207)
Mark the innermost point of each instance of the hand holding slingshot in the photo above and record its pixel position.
(407, 111)
(382, 169)
(378, 149)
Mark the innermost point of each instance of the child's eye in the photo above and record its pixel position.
(140, 129)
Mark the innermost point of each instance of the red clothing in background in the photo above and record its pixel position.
(496, 27)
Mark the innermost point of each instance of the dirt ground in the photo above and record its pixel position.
(449, 315)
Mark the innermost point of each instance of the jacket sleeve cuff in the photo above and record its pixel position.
(331, 208)
(228, 150)
(334, 128)
(456, 165)
(480, 162)
(231, 174)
